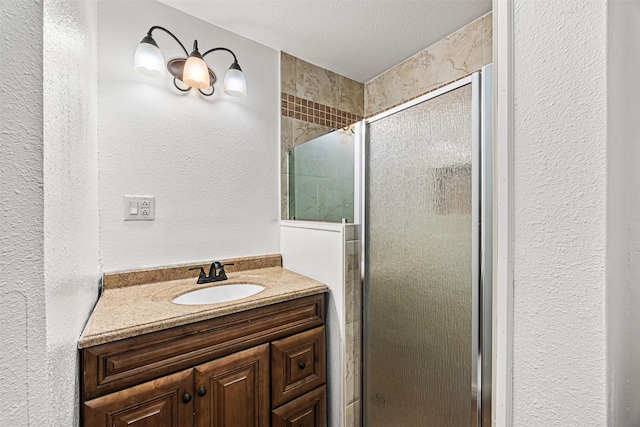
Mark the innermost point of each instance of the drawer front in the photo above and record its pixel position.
(297, 365)
(309, 410)
(120, 364)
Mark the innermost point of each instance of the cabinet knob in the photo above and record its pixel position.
(302, 365)
(186, 398)
(202, 391)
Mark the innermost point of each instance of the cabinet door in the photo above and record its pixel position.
(306, 411)
(297, 365)
(165, 402)
(233, 391)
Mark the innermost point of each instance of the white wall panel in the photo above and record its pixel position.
(316, 250)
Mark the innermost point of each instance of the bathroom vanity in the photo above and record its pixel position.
(258, 361)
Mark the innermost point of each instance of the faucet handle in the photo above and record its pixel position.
(223, 274)
(224, 265)
(202, 274)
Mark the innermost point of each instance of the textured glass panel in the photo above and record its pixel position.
(321, 178)
(418, 293)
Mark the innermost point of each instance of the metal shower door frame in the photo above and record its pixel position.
(482, 221)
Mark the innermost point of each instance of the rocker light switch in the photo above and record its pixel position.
(139, 208)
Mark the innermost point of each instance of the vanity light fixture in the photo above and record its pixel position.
(191, 71)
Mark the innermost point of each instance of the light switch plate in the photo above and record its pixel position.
(146, 208)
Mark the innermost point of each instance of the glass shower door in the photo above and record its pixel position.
(419, 263)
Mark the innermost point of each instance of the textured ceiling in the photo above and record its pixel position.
(358, 39)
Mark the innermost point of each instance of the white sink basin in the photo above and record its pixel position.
(219, 293)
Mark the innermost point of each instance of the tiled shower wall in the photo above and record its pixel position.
(314, 101)
(452, 58)
(321, 178)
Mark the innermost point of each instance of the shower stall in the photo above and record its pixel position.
(426, 212)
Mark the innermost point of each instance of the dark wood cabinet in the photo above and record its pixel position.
(298, 364)
(234, 390)
(256, 368)
(308, 410)
(165, 402)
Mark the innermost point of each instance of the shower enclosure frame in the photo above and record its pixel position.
(482, 230)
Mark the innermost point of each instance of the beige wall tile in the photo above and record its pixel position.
(284, 196)
(456, 56)
(286, 141)
(351, 96)
(352, 356)
(312, 83)
(375, 96)
(352, 362)
(487, 27)
(352, 232)
(349, 415)
(288, 73)
(353, 415)
(305, 131)
(317, 84)
(352, 292)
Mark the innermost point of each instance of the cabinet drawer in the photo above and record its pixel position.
(306, 411)
(297, 365)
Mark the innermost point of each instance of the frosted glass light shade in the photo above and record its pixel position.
(148, 60)
(235, 83)
(196, 73)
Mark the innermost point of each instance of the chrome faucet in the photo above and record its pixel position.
(216, 273)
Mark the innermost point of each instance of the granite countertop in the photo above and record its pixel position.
(133, 310)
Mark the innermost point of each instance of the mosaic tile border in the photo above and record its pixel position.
(313, 112)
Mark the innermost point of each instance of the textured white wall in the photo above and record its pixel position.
(71, 267)
(211, 163)
(23, 362)
(623, 215)
(559, 366)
